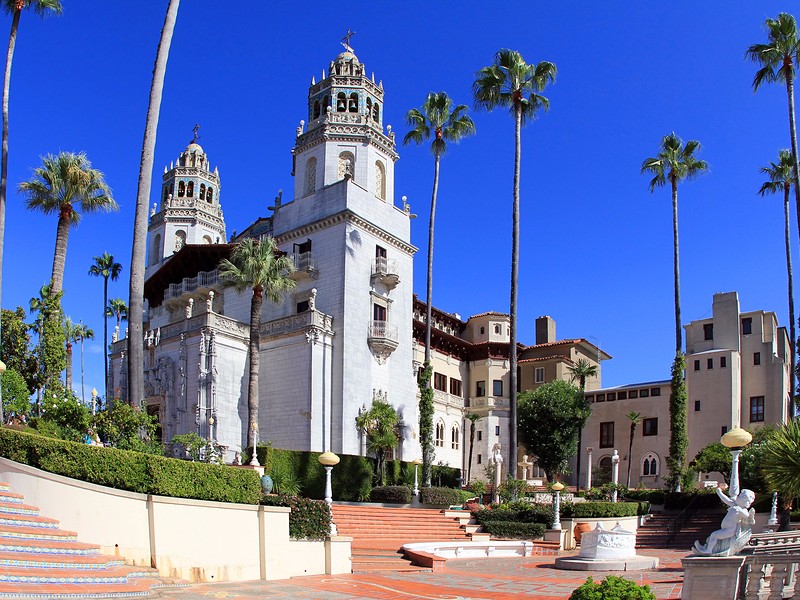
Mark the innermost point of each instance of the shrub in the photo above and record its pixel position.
(441, 496)
(600, 510)
(704, 498)
(478, 487)
(644, 507)
(521, 512)
(612, 588)
(309, 519)
(132, 471)
(652, 496)
(399, 494)
(514, 529)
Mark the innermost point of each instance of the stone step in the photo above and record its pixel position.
(49, 546)
(11, 497)
(26, 575)
(47, 560)
(13, 508)
(35, 533)
(140, 587)
(29, 520)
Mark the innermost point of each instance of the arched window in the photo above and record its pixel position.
(341, 102)
(650, 464)
(190, 189)
(207, 239)
(180, 239)
(352, 104)
(155, 250)
(316, 109)
(202, 191)
(210, 195)
(181, 189)
(326, 102)
(369, 106)
(347, 163)
(603, 474)
(455, 437)
(380, 180)
(376, 113)
(166, 193)
(311, 176)
(439, 440)
(498, 329)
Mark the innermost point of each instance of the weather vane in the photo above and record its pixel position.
(346, 40)
(195, 129)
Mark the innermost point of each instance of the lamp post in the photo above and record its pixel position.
(416, 462)
(254, 461)
(94, 401)
(329, 460)
(735, 440)
(614, 474)
(557, 487)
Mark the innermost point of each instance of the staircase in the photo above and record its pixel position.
(39, 560)
(379, 533)
(655, 532)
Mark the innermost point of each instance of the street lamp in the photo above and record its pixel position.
(416, 462)
(557, 487)
(254, 461)
(329, 460)
(735, 440)
(94, 401)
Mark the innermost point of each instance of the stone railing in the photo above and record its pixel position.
(489, 402)
(204, 279)
(448, 399)
(769, 575)
(218, 322)
(294, 323)
(380, 330)
(384, 266)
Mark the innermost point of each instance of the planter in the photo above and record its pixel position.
(580, 529)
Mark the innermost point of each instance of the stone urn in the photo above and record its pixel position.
(267, 484)
(580, 529)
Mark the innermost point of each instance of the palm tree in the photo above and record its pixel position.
(258, 266)
(580, 372)
(674, 163)
(15, 8)
(106, 267)
(136, 293)
(782, 178)
(780, 461)
(472, 418)
(64, 180)
(635, 418)
(777, 59)
(512, 83)
(448, 124)
(82, 332)
(381, 426)
(117, 308)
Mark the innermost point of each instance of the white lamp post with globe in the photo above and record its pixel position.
(329, 460)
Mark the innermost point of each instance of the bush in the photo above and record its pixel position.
(521, 512)
(309, 519)
(644, 508)
(441, 496)
(652, 496)
(701, 499)
(132, 471)
(399, 494)
(514, 529)
(600, 510)
(612, 588)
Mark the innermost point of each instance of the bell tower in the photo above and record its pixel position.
(345, 137)
(190, 209)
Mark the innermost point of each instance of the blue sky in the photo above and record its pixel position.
(596, 246)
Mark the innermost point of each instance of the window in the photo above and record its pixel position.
(480, 389)
(497, 429)
(202, 191)
(480, 436)
(723, 362)
(756, 358)
(439, 440)
(341, 102)
(697, 406)
(633, 394)
(498, 329)
(650, 426)
(644, 393)
(655, 391)
(747, 326)
(311, 176)
(379, 312)
(210, 195)
(622, 395)
(611, 396)
(352, 104)
(181, 189)
(497, 387)
(480, 459)
(756, 409)
(190, 189)
(346, 165)
(380, 180)
(697, 365)
(483, 330)
(315, 114)
(600, 398)
(440, 382)
(650, 465)
(302, 306)
(708, 331)
(607, 434)
(455, 387)
(538, 375)
(455, 437)
(710, 363)
(589, 398)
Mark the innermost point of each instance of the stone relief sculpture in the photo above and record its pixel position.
(735, 529)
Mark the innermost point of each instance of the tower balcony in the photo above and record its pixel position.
(304, 266)
(202, 282)
(385, 270)
(382, 340)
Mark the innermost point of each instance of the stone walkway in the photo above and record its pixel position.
(491, 578)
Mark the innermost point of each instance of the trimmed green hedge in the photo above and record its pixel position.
(398, 494)
(599, 510)
(521, 512)
(131, 471)
(652, 496)
(442, 496)
(515, 529)
(309, 519)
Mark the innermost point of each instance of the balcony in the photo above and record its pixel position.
(382, 340)
(203, 281)
(304, 266)
(385, 270)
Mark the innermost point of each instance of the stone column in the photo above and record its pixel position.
(589, 467)
(614, 473)
(711, 577)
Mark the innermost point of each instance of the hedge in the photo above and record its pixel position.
(514, 529)
(652, 496)
(705, 499)
(612, 588)
(398, 494)
(131, 471)
(599, 510)
(521, 512)
(442, 496)
(309, 519)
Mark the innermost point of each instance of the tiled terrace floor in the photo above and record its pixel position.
(491, 578)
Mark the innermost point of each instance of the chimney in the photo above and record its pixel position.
(545, 330)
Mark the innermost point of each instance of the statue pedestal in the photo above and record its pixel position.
(710, 577)
(607, 550)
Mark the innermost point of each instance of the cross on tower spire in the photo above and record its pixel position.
(346, 40)
(195, 129)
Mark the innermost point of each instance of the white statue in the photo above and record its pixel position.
(735, 529)
(497, 461)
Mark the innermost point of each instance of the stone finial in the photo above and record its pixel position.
(300, 128)
(312, 299)
(210, 301)
(153, 210)
(189, 307)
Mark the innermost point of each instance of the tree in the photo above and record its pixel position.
(82, 333)
(580, 372)
(676, 162)
(781, 179)
(63, 181)
(448, 125)
(117, 308)
(778, 59)
(381, 426)
(15, 8)
(52, 353)
(635, 418)
(70, 337)
(16, 348)
(136, 291)
(16, 396)
(549, 420)
(713, 458)
(106, 267)
(472, 418)
(781, 460)
(123, 426)
(258, 266)
(512, 83)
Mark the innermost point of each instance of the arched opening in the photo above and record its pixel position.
(311, 176)
(341, 102)
(455, 437)
(376, 113)
(603, 472)
(650, 465)
(180, 239)
(155, 250)
(326, 102)
(352, 104)
(181, 189)
(210, 195)
(439, 438)
(166, 193)
(380, 180)
(316, 109)
(190, 189)
(202, 191)
(207, 239)
(347, 163)
(369, 106)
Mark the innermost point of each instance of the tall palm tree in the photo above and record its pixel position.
(580, 372)
(674, 163)
(635, 418)
(512, 83)
(136, 293)
(106, 267)
(62, 182)
(780, 461)
(472, 418)
(82, 333)
(781, 179)
(778, 59)
(448, 124)
(117, 308)
(257, 266)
